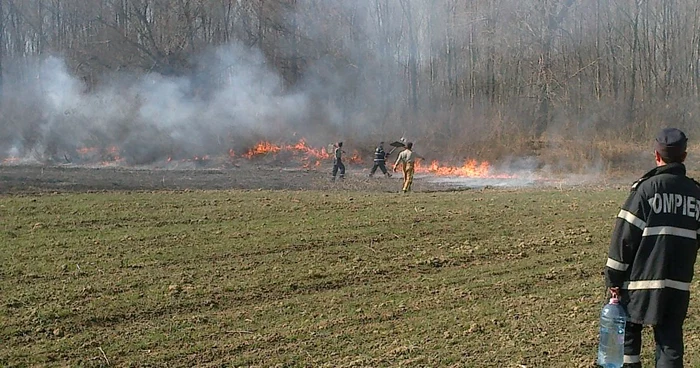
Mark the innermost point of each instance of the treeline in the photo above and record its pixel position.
(451, 71)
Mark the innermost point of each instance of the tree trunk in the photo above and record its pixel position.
(2, 39)
(412, 55)
(633, 64)
(261, 22)
(552, 22)
(294, 32)
(490, 56)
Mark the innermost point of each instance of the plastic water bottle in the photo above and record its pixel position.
(611, 350)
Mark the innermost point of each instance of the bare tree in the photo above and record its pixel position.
(450, 68)
(2, 38)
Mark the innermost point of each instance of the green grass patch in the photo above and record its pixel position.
(260, 279)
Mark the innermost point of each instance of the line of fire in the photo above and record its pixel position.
(299, 154)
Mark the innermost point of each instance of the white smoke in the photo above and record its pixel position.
(150, 116)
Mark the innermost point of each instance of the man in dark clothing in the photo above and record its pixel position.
(653, 250)
(380, 160)
(338, 161)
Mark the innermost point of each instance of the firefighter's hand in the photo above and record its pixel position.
(614, 292)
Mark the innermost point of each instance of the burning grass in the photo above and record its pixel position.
(299, 154)
(334, 279)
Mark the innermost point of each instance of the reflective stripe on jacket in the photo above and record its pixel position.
(379, 155)
(654, 245)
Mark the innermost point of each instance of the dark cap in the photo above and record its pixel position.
(671, 142)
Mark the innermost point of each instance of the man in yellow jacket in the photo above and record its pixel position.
(408, 158)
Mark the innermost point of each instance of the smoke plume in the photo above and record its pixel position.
(149, 117)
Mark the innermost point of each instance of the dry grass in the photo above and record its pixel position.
(566, 148)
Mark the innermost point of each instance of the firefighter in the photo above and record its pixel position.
(380, 161)
(338, 161)
(408, 158)
(653, 250)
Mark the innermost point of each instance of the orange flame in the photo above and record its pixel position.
(112, 156)
(114, 153)
(109, 156)
(470, 169)
(262, 148)
(301, 148)
(87, 151)
(10, 160)
(355, 158)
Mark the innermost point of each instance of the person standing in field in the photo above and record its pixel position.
(380, 161)
(338, 161)
(408, 158)
(653, 250)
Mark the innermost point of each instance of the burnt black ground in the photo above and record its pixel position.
(34, 178)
